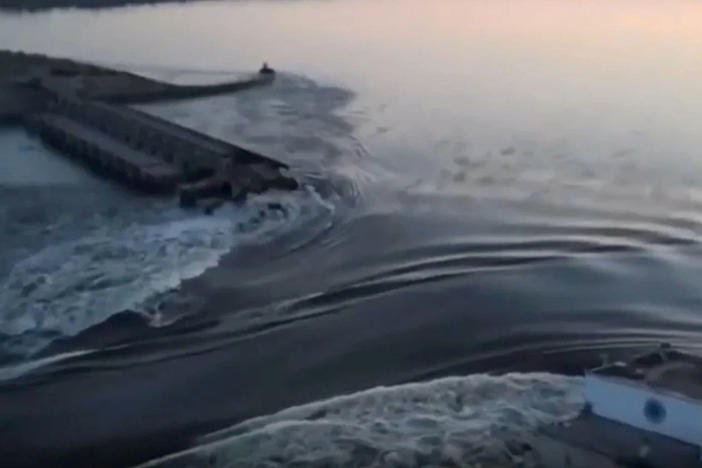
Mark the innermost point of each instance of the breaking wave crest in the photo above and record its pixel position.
(69, 286)
(450, 422)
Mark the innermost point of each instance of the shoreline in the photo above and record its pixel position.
(30, 6)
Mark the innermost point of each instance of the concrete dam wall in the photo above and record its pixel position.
(105, 154)
(152, 154)
(80, 109)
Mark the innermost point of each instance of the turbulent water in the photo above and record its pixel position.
(495, 195)
(456, 421)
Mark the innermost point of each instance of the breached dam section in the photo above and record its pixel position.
(80, 110)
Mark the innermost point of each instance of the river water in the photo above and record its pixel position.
(495, 195)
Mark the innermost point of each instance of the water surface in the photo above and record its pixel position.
(489, 187)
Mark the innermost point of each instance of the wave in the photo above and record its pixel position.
(477, 420)
(14, 371)
(65, 288)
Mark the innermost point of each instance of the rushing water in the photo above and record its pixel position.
(489, 186)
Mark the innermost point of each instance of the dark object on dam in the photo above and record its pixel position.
(266, 70)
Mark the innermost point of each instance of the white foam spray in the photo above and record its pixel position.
(459, 421)
(110, 267)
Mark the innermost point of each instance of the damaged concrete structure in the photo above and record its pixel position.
(93, 125)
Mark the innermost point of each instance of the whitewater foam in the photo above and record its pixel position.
(457, 421)
(114, 265)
